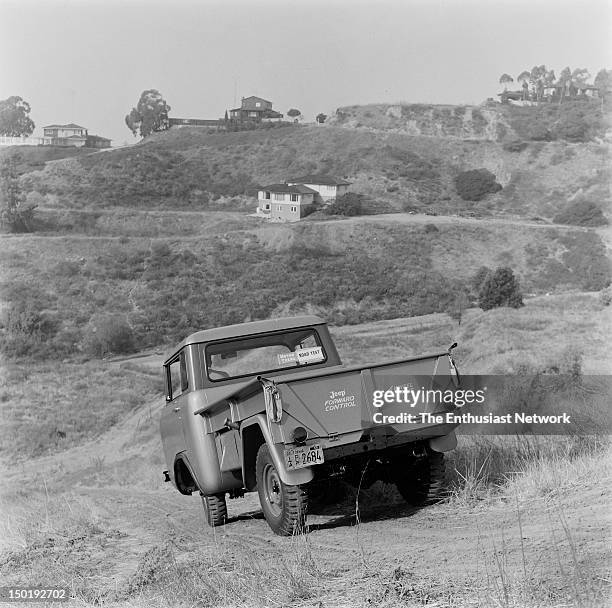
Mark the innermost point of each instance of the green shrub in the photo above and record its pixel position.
(500, 288)
(107, 334)
(582, 213)
(429, 228)
(475, 184)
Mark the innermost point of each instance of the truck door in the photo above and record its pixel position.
(171, 423)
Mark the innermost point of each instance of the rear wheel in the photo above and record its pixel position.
(423, 481)
(215, 509)
(284, 506)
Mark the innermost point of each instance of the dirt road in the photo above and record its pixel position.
(374, 551)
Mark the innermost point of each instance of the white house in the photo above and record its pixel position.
(65, 135)
(327, 188)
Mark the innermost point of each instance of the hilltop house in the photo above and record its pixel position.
(282, 202)
(65, 135)
(255, 109)
(327, 188)
(72, 135)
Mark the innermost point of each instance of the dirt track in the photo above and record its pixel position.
(451, 550)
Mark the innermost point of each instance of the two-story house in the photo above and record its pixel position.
(282, 202)
(65, 135)
(328, 188)
(255, 109)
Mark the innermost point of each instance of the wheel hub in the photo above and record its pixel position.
(272, 490)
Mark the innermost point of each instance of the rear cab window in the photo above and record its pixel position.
(248, 356)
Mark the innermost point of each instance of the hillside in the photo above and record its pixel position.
(155, 240)
(396, 171)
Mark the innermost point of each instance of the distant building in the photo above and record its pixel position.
(95, 141)
(72, 135)
(283, 202)
(255, 109)
(65, 135)
(327, 188)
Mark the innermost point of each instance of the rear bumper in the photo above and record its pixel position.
(441, 439)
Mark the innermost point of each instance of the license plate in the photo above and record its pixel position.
(304, 456)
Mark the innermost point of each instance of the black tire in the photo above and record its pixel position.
(423, 481)
(215, 509)
(284, 507)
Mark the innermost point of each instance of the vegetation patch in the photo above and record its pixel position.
(581, 213)
(475, 184)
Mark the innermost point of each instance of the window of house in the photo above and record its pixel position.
(294, 209)
(279, 207)
(267, 195)
(258, 104)
(252, 113)
(279, 197)
(267, 206)
(294, 198)
(176, 377)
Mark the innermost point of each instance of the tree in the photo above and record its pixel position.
(149, 115)
(15, 212)
(603, 81)
(565, 80)
(500, 288)
(505, 79)
(580, 77)
(321, 118)
(14, 119)
(294, 113)
(524, 77)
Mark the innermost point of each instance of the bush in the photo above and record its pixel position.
(500, 288)
(348, 204)
(584, 213)
(109, 334)
(475, 184)
(429, 228)
(27, 330)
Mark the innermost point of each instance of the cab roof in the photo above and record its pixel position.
(247, 329)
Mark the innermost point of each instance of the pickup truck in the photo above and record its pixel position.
(268, 406)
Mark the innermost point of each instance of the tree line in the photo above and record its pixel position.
(534, 82)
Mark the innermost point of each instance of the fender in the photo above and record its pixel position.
(445, 443)
(291, 478)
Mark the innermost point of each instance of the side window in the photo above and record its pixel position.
(183, 368)
(177, 378)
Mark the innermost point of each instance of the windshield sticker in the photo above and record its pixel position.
(303, 356)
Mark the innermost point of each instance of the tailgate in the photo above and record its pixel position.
(341, 402)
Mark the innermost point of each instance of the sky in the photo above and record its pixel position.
(88, 61)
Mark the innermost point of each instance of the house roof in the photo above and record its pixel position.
(287, 189)
(248, 103)
(69, 126)
(323, 180)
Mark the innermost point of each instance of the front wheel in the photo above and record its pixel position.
(284, 506)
